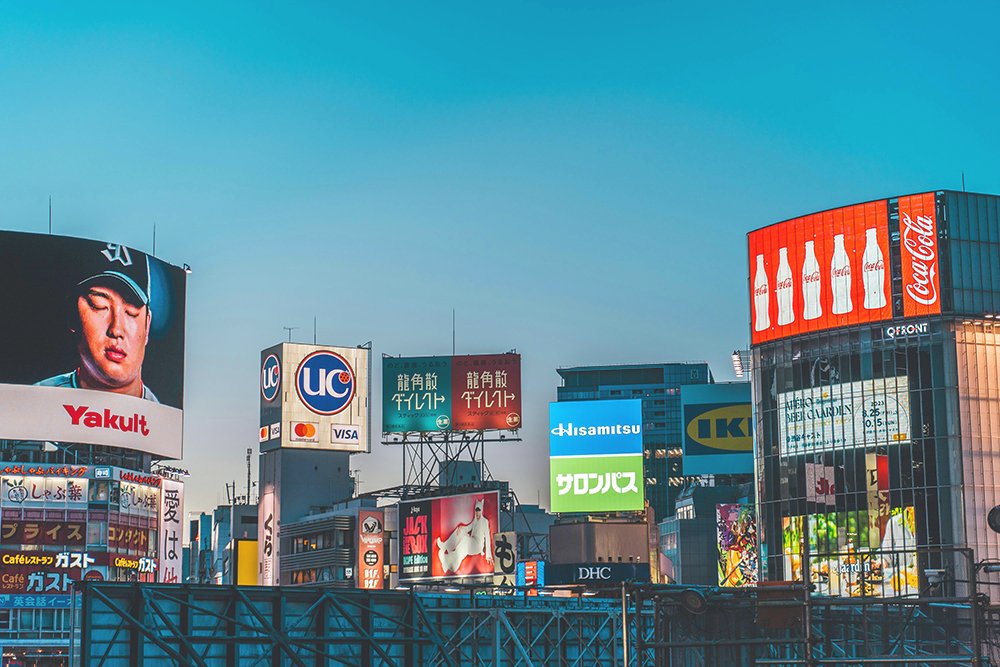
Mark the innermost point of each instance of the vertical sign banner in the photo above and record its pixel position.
(477, 392)
(820, 271)
(171, 532)
(267, 539)
(370, 549)
(314, 397)
(919, 253)
(505, 559)
(596, 461)
(414, 540)
(736, 528)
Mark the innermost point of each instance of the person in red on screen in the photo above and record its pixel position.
(111, 318)
(474, 538)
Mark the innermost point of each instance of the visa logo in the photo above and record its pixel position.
(727, 428)
(344, 435)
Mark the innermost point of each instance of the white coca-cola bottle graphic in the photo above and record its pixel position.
(840, 277)
(811, 284)
(784, 290)
(761, 296)
(873, 272)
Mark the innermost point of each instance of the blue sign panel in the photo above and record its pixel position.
(595, 428)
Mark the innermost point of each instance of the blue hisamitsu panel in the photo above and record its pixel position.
(595, 428)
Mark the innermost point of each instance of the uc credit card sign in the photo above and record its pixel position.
(595, 456)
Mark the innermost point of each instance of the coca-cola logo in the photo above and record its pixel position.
(811, 277)
(784, 284)
(841, 271)
(875, 266)
(760, 290)
(919, 241)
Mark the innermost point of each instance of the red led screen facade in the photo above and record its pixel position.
(833, 269)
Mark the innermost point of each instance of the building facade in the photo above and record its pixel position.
(876, 387)
(658, 385)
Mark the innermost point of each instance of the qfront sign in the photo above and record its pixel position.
(314, 397)
(595, 450)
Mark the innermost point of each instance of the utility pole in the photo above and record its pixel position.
(249, 454)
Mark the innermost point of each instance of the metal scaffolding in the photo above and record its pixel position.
(632, 626)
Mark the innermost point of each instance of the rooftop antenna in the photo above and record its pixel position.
(50, 215)
(289, 330)
(453, 332)
(154, 239)
(314, 329)
(249, 454)
(963, 181)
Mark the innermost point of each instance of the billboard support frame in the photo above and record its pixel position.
(422, 458)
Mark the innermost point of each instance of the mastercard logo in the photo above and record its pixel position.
(303, 431)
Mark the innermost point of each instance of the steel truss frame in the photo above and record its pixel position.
(211, 626)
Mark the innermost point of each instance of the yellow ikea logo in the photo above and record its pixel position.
(727, 428)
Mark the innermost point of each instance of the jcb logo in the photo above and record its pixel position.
(727, 428)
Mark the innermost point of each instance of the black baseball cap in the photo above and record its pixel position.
(121, 268)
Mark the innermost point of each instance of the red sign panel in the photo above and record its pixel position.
(919, 252)
(371, 554)
(486, 392)
(462, 529)
(820, 271)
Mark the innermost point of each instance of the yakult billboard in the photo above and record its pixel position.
(314, 397)
(833, 268)
(106, 362)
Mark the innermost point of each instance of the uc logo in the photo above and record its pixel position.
(325, 382)
(270, 378)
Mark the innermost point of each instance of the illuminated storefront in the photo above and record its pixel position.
(876, 382)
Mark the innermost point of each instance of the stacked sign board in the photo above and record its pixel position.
(462, 393)
(596, 460)
(314, 397)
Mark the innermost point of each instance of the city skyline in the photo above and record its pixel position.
(575, 183)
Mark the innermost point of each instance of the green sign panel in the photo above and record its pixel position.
(596, 483)
(416, 394)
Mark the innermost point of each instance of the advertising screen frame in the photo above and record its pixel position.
(430, 527)
(60, 288)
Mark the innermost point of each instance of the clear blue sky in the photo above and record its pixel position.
(575, 178)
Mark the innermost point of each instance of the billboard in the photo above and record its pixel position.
(371, 554)
(595, 574)
(854, 553)
(448, 537)
(736, 529)
(462, 393)
(314, 397)
(866, 413)
(833, 268)
(595, 456)
(718, 428)
(106, 361)
(246, 566)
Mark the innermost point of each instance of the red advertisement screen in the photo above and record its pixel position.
(462, 529)
(919, 253)
(486, 392)
(823, 270)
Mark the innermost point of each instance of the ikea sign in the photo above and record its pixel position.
(718, 428)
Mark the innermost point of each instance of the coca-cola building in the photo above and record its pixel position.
(876, 388)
